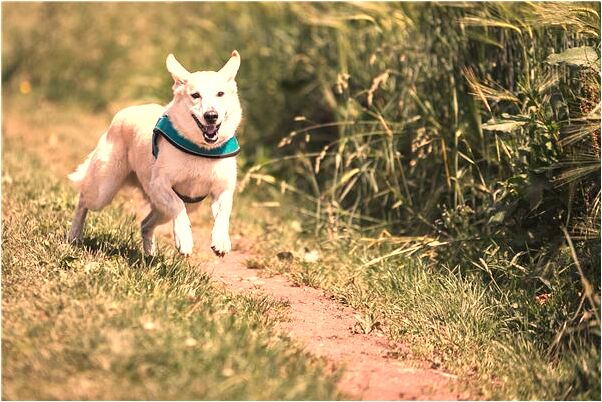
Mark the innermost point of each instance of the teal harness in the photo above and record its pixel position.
(165, 129)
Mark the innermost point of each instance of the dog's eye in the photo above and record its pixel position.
(195, 95)
(220, 93)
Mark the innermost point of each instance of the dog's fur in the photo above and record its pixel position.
(124, 152)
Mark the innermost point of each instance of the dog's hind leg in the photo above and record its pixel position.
(77, 226)
(99, 178)
(147, 228)
(104, 172)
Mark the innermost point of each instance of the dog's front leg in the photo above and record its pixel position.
(221, 208)
(168, 203)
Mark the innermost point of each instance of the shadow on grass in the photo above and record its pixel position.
(167, 266)
(164, 264)
(113, 246)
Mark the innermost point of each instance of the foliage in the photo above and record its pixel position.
(411, 152)
(471, 145)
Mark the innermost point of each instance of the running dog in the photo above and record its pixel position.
(176, 154)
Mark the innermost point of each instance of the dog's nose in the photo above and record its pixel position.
(210, 116)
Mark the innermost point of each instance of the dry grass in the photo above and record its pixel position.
(99, 320)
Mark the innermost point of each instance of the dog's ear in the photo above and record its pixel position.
(230, 69)
(180, 74)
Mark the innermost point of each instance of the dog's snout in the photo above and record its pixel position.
(210, 116)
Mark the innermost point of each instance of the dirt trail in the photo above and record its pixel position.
(324, 327)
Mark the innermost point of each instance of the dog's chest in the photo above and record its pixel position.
(197, 176)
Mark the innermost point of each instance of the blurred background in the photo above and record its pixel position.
(393, 115)
(475, 126)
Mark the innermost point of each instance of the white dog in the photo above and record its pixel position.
(177, 154)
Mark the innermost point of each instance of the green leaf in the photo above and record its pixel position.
(584, 56)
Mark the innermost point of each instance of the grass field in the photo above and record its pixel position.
(434, 165)
(99, 321)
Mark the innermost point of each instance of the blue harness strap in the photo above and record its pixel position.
(165, 129)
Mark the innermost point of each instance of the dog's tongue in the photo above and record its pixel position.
(211, 129)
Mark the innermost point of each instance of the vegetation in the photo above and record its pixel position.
(443, 158)
(101, 322)
(464, 176)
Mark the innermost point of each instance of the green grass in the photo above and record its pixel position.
(496, 336)
(99, 321)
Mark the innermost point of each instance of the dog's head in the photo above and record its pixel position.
(205, 107)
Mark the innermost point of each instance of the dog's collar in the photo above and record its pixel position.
(166, 129)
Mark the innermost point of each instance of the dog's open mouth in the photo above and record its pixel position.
(209, 131)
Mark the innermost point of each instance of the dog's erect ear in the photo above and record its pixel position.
(180, 74)
(230, 69)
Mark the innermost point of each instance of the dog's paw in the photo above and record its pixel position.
(184, 241)
(183, 235)
(149, 245)
(220, 244)
(74, 236)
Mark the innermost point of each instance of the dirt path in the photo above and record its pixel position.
(373, 370)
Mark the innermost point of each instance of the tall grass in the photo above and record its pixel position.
(468, 137)
(475, 124)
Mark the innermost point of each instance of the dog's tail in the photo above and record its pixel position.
(78, 176)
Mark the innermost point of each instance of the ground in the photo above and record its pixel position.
(101, 307)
